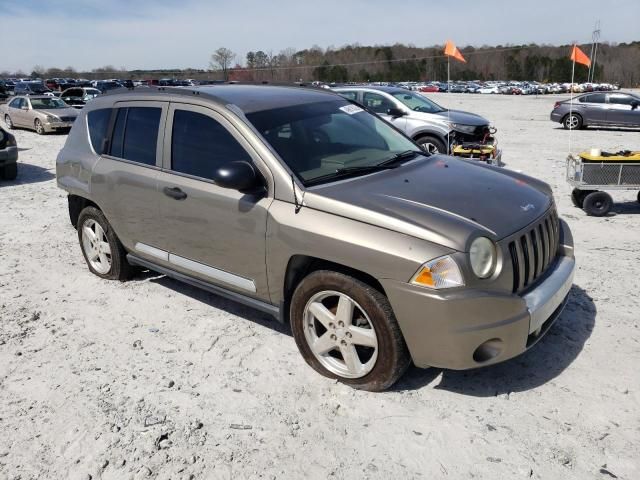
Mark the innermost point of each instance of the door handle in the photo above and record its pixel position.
(174, 193)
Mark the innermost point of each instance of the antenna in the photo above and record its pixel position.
(595, 38)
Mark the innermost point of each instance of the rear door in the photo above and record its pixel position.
(621, 111)
(212, 233)
(15, 112)
(381, 104)
(124, 181)
(593, 108)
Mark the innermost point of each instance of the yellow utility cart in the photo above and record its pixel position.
(592, 172)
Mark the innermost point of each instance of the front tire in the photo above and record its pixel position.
(597, 204)
(103, 252)
(39, 127)
(431, 144)
(346, 330)
(572, 122)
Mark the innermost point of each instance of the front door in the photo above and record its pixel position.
(381, 104)
(621, 111)
(212, 233)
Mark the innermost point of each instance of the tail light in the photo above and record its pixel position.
(556, 105)
(11, 141)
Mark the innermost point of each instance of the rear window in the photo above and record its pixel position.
(135, 134)
(98, 122)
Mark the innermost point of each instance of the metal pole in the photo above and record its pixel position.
(573, 70)
(448, 109)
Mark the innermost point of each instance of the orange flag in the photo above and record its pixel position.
(450, 50)
(579, 56)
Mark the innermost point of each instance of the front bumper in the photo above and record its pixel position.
(54, 126)
(469, 328)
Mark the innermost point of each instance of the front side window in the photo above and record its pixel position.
(621, 99)
(135, 134)
(50, 103)
(417, 102)
(318, 140)
(16, 103)
(200, 145)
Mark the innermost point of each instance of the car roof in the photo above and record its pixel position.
(380, 88)
(247, 97)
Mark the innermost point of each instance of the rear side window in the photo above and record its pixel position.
(135, 134)
(596, 98)
(98, 122)
(200, 145)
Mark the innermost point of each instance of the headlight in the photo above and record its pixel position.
(441, 272)
(51, 119)
(463, 128)
(482, 255)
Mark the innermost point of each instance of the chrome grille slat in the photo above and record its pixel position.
(534, 250)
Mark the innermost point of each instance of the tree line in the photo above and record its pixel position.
(616, 63)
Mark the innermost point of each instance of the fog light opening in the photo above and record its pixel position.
(488, 350)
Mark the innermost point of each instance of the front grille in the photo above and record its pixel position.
(67, 119)
(532, 252)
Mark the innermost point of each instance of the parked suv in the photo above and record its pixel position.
(433, 127)
(301, 204)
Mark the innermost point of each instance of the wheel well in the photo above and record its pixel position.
(572, 113)
(76, 205)
(300, 266)
(428, 134)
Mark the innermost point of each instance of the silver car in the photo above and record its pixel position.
(43, 114)
(620, 109)
(303, 205)
(430, 125)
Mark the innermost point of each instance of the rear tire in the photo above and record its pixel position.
(7, 120)
(9, 172)
(103, 252)
(597, 204)
(578, 196)
(431, 144)
(572, 122)
(363, 327)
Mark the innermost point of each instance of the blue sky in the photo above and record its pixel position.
(87, 34)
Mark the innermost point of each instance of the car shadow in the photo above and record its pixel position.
(28, 173)
(626, 208)
(539, 365)
(214, 301)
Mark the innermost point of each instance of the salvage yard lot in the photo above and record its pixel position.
(155, 379)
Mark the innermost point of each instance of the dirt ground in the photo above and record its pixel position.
(155, 379)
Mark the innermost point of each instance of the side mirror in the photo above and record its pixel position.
(635, 105)
(239, 175)
(25, 108)
(396, 112)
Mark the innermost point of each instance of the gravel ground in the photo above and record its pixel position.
(155, 379)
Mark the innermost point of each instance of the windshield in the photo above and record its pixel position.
(316, 140)
(418, 102)
(47, 103)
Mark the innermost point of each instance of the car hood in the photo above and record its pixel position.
(464, 118)
(60, 112)
(439, 199)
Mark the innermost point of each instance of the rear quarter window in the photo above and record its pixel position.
(98, 123)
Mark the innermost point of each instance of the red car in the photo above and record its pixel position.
(429, 89)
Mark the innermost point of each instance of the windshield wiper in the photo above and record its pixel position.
(365, 168)
(400, 157)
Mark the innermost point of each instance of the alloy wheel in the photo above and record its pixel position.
(340, 334)
(430, 148)
(96, 246)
